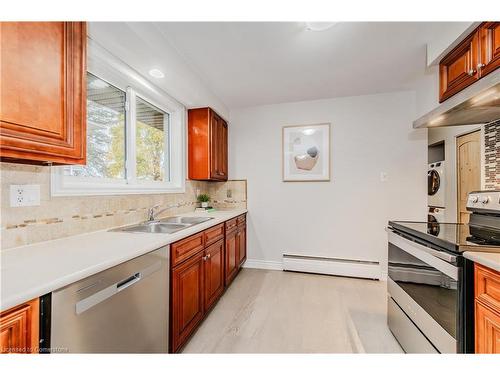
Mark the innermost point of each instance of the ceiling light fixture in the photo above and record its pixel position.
(319, 26)
(157, 73)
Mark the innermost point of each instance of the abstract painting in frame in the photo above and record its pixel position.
(306, 152)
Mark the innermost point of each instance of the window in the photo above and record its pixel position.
(135, 137)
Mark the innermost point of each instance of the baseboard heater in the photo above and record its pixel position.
(332, 266)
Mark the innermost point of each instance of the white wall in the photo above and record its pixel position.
(345, 217)
(449, 136)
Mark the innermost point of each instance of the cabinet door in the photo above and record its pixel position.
(231, 256)
(459, 68)
(43, 92)
(490, 47)
(214, 273)
(187, 299)
(19, 328)
(218, 148)
(242, 244)
(487, 330)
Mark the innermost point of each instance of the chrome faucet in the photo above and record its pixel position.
(152, 214)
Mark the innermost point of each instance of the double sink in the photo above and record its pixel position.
(168, 225)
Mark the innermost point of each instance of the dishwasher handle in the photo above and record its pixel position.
(129, 281)
(106, 293)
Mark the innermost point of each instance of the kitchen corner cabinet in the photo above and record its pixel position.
(475, 57)
(43, 92)
(487, 310)
(207, 145)
(19, 328)
(201, 270)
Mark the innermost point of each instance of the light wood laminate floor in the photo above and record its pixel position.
(287, 312)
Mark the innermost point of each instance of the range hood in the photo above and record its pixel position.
(477, 104)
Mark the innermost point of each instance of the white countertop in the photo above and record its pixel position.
(31, 271)
(490, 260)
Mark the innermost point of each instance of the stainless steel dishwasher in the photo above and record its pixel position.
(120, 310)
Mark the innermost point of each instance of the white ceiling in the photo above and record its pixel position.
(255, 63)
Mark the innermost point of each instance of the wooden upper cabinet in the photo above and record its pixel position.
(475, 57)
(207, 145)
(43, 92)
(459, 68)
(489, 34)
(19, 328)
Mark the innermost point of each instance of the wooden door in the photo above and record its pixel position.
(43, 92)
(187, 299)
(231, 261)
(459, 68)
(490, 47)
(214, 273)
(487, 330)
(242, 244)
(19, 328)
(468, 171)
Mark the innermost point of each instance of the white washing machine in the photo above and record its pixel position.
(435, 215)
(436, 184)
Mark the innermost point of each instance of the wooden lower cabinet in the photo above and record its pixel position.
(19, 328)
(241, 240)
(214, 273)
(231, 258)
(187, 299)
(487, 330)
(203, 265)
(487, 310)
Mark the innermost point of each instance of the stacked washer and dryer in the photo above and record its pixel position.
(436, 192)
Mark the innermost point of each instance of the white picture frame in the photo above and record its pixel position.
(306, 153)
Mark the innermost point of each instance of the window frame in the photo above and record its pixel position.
(110, 69)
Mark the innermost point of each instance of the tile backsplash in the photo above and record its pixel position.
(58, 217)
(492, 156)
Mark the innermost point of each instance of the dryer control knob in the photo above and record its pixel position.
(485, 200)
(474, 199)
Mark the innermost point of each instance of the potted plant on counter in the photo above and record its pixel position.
(204, 199)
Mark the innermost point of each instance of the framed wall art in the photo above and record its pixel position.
(306, 152)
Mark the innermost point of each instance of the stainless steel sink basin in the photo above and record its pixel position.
(168, 225)
(192, 220)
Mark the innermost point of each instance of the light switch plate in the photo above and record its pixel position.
(24, 195)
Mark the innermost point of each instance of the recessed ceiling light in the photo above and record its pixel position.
(157, 73)
(319, 26)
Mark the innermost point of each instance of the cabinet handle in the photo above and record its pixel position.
(205, 258)
(472, 72)
(480, 66)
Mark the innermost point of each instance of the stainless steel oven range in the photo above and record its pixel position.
(430, 284)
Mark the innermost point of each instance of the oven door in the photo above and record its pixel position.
(423, 282)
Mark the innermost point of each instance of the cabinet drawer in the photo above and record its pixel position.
(487, 286)
(214, 234)
(187, 247)
(231, 224)
(241, 220)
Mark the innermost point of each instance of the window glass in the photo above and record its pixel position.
(151, 142)
(105, 132)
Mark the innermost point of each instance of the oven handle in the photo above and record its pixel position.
(443, 262)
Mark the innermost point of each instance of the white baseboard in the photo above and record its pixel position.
(332, 266)
(263, 264)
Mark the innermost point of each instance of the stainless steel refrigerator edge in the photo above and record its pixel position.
(120, 310)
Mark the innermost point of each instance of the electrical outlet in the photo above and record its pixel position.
(383, 177)
(24, 195)
(229, 193)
